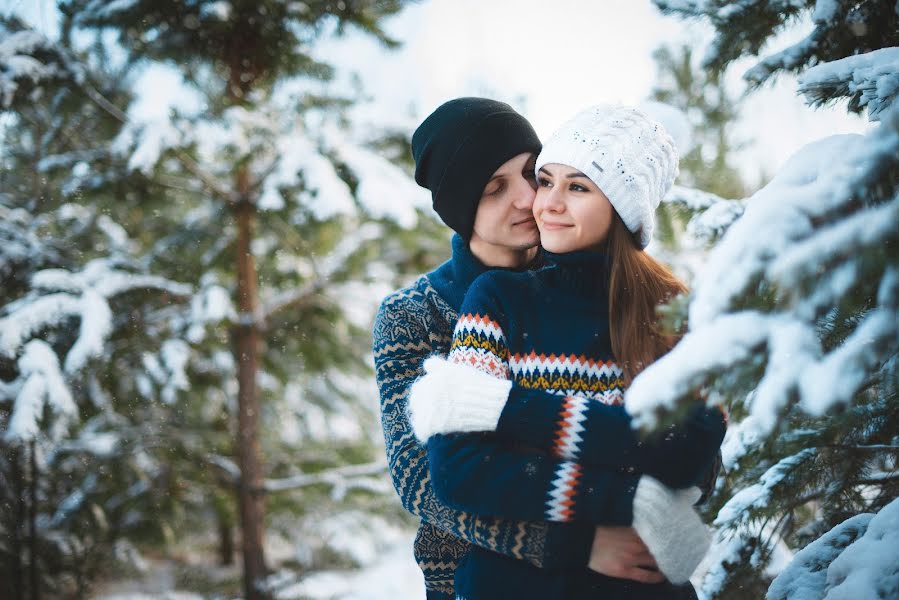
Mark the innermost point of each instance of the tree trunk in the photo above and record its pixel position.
(32, 526)
(250, 499)
(18, 493)
(226, 538)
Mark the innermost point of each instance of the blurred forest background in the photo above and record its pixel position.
(187, 402)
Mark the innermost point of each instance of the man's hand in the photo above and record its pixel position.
(619, 552)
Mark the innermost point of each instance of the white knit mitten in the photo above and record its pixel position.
(451, 397)
(669, 526)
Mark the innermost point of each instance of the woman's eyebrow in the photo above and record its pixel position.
(568, 176)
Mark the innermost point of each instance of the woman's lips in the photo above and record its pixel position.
(550, 226)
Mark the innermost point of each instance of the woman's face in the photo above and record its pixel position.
(504, 218)
(571, 211)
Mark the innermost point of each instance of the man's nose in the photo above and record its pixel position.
(524, 195)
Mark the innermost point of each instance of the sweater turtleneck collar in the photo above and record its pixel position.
(466, 266)
(584, 272)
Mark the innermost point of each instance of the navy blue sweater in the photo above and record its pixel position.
(412, 324)
(548, 332)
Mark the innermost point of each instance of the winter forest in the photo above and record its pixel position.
(189, 271)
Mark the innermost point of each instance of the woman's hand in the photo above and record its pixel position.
(455, 398)
(619, 552)
(669, 526)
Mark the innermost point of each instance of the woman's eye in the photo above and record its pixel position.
(544, 182)
(576, 187)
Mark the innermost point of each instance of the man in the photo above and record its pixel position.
(476, 156)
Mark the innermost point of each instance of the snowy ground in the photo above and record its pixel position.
(392, 576)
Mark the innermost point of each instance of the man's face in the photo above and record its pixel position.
(504, 216)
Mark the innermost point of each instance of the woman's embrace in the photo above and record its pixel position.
(539, 363)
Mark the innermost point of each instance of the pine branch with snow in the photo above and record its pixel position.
(742, 27)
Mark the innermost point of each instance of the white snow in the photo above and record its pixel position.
(24, 319)
(175, 355)
(825, 10)
(736, 510)
(43, 385)
(710, 224)
(385, 191)
(858, 558)
(869, 568)
(874, 74)
(787, 236)
(16, 64)
(96, 325)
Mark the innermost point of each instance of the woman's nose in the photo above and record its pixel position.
(551, 200)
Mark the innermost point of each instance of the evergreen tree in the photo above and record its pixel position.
(706, 199)
(711, 112)
(265, 188)
(74, 285)
(793, 323)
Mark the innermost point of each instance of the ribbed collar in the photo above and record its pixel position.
(584, 273)
(453, 278)
(466, 266)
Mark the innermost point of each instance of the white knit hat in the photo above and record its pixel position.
(628, 155)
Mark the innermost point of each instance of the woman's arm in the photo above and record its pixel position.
(477, 472)
(455, 396)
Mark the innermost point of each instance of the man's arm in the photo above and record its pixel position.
(401, 344)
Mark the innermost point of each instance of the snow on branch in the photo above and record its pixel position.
(42, 384)
(855, 559)
(815, 233)
(384, 190)
(83, 294)
(870, 80)
(712, 214)
(738, 508)
(338, 476)
(27, 60)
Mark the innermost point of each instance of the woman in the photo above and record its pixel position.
(541, 360)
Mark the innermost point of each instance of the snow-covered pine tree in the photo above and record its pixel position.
(288, 225)
(711, 111)
(705, 200)
(78, 309)
(794, 322)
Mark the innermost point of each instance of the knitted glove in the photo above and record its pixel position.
(669, 526)
(455, 398)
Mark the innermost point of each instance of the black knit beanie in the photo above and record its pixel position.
(459, 147)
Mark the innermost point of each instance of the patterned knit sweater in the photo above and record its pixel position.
(548, 331)
(412, 324)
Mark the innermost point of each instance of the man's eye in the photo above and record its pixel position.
(499, 188)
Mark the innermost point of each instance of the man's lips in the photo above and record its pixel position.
(528, 221)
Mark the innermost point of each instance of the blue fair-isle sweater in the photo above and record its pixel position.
(412, 324)
(548, 332)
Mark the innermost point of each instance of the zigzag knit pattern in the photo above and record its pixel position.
(412, 324)
(479, 342)
(569, 375)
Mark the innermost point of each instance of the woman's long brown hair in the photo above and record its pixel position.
(638, 284)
